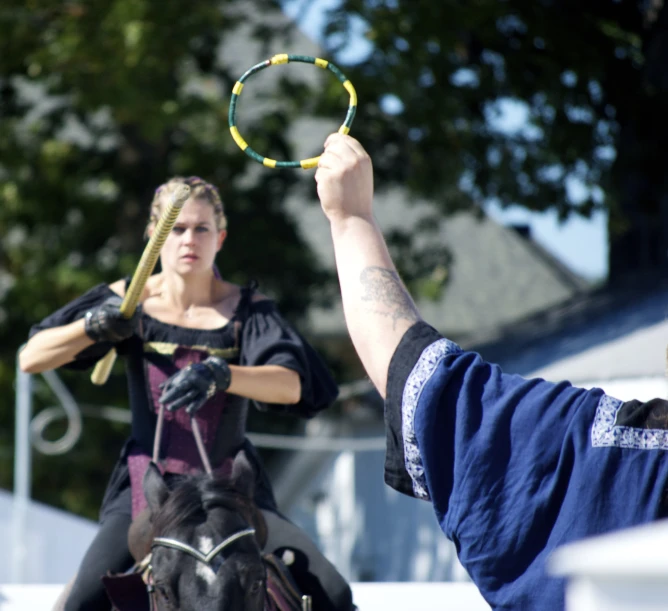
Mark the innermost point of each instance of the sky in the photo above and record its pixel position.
(581, 244)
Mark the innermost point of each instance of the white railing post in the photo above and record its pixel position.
(22, 473)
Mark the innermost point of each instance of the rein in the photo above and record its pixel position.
(174, 543)
(207, 559)
(196, 434)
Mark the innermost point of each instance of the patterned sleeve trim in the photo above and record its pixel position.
(608, 430)
(425, 367)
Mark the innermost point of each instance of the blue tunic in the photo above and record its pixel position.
(514, 467)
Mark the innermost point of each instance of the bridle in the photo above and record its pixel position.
(146, 568)
(206, 559)
(196, 554)
(171, 543)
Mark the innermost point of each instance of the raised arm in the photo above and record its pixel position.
(377, 306)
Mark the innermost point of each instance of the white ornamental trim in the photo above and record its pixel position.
(604, 432)
(425, 367)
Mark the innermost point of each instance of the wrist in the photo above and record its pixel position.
(341, 224)
(92, 326)
(220, 370)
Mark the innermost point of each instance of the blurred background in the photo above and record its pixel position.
(519, 158)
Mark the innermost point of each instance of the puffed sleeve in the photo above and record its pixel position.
(75, 310)
(267, 339)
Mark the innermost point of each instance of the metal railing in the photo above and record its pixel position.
(30, 431)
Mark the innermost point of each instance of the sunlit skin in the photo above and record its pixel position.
(186, 291)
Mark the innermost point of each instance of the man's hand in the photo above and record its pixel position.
(193, 386)
(345, 179)
(105, 323)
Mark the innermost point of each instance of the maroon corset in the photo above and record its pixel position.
(178, 451)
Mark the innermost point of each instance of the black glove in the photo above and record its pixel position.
(105, 323)
(194, 385)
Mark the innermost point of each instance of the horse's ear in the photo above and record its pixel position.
(155, 489)
(243, 474)
(140, 536)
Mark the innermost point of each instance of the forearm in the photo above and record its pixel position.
(377, 306)
(52, 348)
(266, 383)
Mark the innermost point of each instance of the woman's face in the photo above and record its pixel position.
(192, 245)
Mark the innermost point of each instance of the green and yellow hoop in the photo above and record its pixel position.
(275, 61)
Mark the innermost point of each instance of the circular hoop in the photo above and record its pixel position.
(274, 61)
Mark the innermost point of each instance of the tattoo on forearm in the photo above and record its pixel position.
(383, 287)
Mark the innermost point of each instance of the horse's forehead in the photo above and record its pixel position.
(218, 525)
(206, 572)
(221, 580)
(222, 523)
(205, 579)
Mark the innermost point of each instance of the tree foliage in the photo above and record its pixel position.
(100, 102)
(546, 104)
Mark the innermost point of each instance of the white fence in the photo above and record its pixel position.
(367, 596)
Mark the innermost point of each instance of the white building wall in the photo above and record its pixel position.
(41, 544)
(371, 532)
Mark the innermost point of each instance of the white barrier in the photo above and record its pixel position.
(31, 597)
(413, 596)
(42, 544)
(621, 571)
(368, 597)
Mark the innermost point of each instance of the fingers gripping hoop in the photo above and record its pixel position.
(274, 61)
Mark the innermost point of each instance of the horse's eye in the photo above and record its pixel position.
(256, 587)
(164, 592)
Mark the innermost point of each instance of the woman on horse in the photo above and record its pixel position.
(203, 347)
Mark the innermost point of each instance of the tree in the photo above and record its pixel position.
(588, 80)
(100, 101)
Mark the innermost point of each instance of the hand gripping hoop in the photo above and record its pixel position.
(275, 61)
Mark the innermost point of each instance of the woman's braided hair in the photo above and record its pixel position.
(200, 189)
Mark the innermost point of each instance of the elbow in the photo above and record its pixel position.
(293, 397)
(293, 391)
(30, 359)
(28, 364)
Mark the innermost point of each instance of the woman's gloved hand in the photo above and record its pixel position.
(195, 384)
(105, 323)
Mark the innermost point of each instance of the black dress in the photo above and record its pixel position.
(256, 335)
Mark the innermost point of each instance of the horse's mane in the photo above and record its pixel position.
(192, 498)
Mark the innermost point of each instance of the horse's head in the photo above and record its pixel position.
(206, 537)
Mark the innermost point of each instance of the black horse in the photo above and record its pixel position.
(205, 536)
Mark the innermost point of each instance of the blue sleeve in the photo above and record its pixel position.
(472, 436)
(511, 439)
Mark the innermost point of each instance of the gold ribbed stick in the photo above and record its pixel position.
(144, 269)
